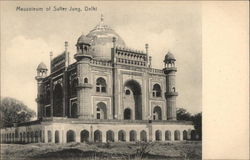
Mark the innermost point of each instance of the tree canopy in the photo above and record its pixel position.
(14, 111)
(183, 114)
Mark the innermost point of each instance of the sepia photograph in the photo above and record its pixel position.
(101, 80)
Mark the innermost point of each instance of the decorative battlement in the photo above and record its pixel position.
(131, 62)
(157, 71)
(131, 54)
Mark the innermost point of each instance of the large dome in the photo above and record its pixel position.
(101, 40)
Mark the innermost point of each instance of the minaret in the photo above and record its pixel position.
(171, 93)
(41, 74)
(83, 59)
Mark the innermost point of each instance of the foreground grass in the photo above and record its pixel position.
(126, 151)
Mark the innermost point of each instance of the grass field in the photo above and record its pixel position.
(81, 151)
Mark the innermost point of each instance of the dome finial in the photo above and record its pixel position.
(102, 18)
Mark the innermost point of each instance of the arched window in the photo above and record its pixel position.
(127, 114)
(21, 137)
(85, 80)
(110, 136)
(98, 136)
(132, 136)
(156, 90)
(101, 111)
(56, 136)
(122, 135)
(167, 135)
(71, 136)
(173, 89)
(49, 136)
(177, 135)
(101, 85)
(158, 135)
(193, 135)
(157, 113)
(28, 137)
(84, 136)
(143, 136)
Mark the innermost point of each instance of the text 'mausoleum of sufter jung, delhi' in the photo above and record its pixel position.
(110, 93)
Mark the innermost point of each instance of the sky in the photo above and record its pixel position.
(27, 37)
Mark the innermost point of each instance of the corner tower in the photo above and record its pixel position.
(171, 93)
(41, 74)
(83, 58)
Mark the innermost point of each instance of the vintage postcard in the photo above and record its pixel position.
(110, 80)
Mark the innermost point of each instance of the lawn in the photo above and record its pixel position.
(83, 151)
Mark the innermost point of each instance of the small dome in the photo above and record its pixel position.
(83, 39)
(169, 57)
(42, 66)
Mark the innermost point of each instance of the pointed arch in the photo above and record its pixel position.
(84, 136)
(168, 135)
(158, 135)
(71, 136)
(132, 135)
(98, 136)
(143, 136)
(157, 113)
(122, 135)
(135, 98)
(177, 135)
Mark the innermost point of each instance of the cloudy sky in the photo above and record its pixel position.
(28, 37)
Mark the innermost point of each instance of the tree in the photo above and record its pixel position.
(197, 120)
(14, 111)
(182, 114)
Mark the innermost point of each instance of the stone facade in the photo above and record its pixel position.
(111, 93)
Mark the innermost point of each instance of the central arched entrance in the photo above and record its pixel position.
(133, 98)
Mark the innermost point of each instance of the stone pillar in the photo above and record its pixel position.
(138, 137)
(172, 135)
(104, 138)
(189, 135)
(64, 136)
(52, 136)
(116, 136)
(181, 136)
(45, 136)
(78, 136)
(127, 136)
